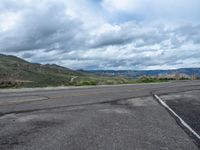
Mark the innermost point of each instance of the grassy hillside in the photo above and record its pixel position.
(16, 72)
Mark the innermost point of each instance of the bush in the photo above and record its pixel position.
(81, 83)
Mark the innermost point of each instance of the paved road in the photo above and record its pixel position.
(187, 106)
(105, 117)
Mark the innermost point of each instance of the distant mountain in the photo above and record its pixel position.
(16, 72)
(186, 72)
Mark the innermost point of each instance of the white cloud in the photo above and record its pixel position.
(162, 10)
(121, 5)
(8, 20)
(79, 34)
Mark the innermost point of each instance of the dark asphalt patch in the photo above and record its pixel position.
(189, 111)
(21, 137)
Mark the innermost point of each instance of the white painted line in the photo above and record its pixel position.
(177, 116)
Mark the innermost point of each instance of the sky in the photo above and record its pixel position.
(103, 34)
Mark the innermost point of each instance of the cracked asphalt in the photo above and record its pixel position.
(187, 106)
(125, 117)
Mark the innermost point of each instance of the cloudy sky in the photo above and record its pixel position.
(103, 34)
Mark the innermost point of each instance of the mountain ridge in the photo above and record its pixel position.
(16, 72)
(137, 73)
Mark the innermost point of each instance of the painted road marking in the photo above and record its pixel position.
(177, 116)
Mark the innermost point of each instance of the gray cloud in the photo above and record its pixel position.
(47, 28)
(54, 32)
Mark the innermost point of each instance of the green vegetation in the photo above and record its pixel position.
(15, 72)
(149, 79)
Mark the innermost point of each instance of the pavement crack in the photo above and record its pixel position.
(43, 98)
(70, 106)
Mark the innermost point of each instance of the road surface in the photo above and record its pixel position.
(125, 117)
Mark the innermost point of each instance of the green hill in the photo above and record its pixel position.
(16, 72)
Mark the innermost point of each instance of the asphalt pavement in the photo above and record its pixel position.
(124, 117)
(187, 106)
